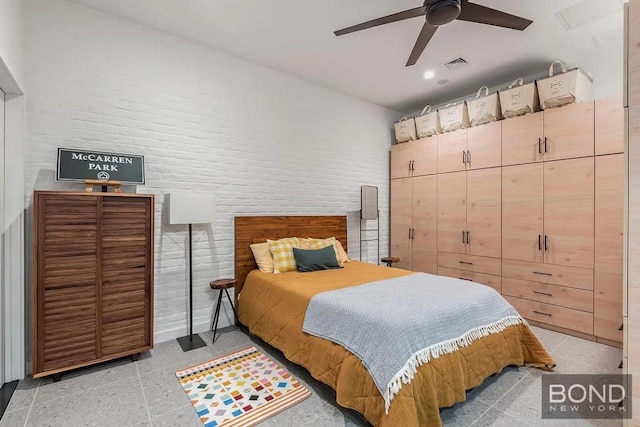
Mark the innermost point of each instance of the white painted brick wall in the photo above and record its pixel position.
(262, 142)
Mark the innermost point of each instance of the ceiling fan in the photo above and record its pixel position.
(440, 12)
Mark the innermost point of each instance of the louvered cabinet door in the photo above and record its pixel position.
(126, 251)
(66, 281)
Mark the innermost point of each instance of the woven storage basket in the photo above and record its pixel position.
(454, 116)
(565, 88)
(519, 99)
(405, 129)
(428, 123)
(484, 109)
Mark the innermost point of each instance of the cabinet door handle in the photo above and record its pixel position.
(543, 313)
(464, 157)
(542, 293)
(542, 273)
(545, 144)
(413, 233)
(468, 156)
(468, 238)
(468, 280)
(539, 145)
(413, 165)
(539, 242)
(545, 243)
(409, 233)
(463, 237)
(409, 166)
(465, 262)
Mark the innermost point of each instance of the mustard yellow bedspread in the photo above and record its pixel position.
(273, 307)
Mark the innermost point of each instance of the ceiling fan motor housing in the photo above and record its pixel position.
(440, 12)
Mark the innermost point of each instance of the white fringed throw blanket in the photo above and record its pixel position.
(396, 325)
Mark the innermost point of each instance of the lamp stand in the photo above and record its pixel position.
(190, 342)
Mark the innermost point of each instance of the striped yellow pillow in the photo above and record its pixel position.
(341, 255)
(282, 252)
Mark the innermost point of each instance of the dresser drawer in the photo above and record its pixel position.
(573, 277)
(578, 299)
(563, 317)
(486, 279)
(479, 264)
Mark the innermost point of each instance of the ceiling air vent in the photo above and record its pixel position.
(456, 63)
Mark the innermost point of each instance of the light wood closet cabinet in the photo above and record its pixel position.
(548, 214)
(413, 204)
(548, 241)
(414, 158)
(609, 208)
(609, 126)
(469, 226)
(472, 148)
(531, 206)
(93, 278)
(631, 268)
(555, 134)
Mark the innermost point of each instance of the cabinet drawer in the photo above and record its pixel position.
(485, 279)
(573, 277)
(567, 318)
(563, 296)
(474, 263)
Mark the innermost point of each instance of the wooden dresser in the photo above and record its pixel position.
(93, 278)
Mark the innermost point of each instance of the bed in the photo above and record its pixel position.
(273, 308)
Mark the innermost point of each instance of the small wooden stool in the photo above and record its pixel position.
(390, 260)
(221, 285)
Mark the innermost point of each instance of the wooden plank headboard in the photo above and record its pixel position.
(257, 229)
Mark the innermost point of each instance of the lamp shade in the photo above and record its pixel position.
(191, 208)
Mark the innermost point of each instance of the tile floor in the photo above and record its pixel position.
(147, 393)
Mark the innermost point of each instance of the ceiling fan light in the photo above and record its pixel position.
(443, 11)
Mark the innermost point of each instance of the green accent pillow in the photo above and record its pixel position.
(314, 260)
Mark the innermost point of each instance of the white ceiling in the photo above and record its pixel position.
(296, 37)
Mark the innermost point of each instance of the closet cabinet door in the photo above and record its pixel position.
(569, 131)
(484, 212)
(401, 221)
(522, 212)
(521, 139)
(425, 224)
(425, 156)
(484, 145)
(401, 155)
(452, 149)
(609, 126)
(609, 204)
(126, 272)
(569, 212)
(452, 211)
(66, 296)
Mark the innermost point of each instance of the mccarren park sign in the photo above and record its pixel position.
(78, 165)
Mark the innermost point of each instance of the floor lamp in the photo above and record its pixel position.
(191, 208)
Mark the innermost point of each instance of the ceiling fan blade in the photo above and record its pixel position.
(411, 13)
(423, 40)
(472, 12)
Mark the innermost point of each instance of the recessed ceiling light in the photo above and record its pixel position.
(429, 74)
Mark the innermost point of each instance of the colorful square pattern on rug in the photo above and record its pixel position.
(240, 389)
